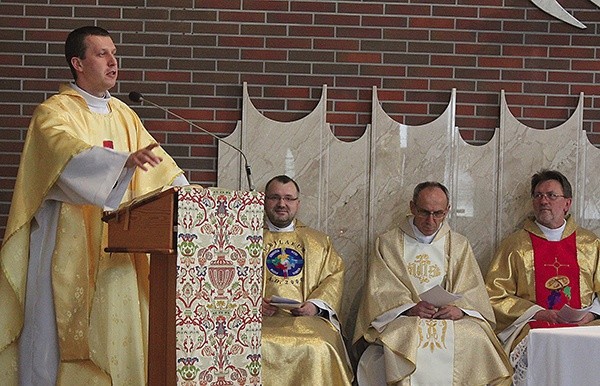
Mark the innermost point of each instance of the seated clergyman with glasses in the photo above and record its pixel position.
(411, 340)
(549, 263)
(301, 342)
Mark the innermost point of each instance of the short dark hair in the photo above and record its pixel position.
(75, 43)
(548, 175)
(429, 184)
(284, 180)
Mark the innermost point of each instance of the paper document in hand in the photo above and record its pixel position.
(286, 303)
(572, 315)
(438, 296)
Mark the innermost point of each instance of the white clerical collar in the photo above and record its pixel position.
(552, 234)
(96, 104)
(424, 239)
(274, 228)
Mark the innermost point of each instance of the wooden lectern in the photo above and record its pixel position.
(148, 225)
(205, 250)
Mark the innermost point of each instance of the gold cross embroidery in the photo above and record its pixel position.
(557, 265)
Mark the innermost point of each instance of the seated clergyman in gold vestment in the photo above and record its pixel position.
(412, 341)
(71, 314)
(301, 345)
(549, 263)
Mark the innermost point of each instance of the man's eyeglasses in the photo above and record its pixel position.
(287, 199)
(438, 214)
(550, 196)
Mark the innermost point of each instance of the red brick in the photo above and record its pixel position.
(204, 151)
(215, 29)
(336, 20)
(430, 23)
(382, 70)
(384, 21)
(407, 9)
(448, 84)
(23, 23)
(241, 41)
(266, 55)
(263, 5)
(494, 62)
(467, 135)
(429, 72)
(311, 56)
(453, 36)
(48, 11)
(313, 6)
(291, 42)
(359, 33)
(572, 52)
(242, 17)
(311, 30)
(358, 57)
(570, 77)
(287, 92)
(263, 30)
(547, 63)
(335, 44)
(12, 9)
(349, 133)
(453, 61)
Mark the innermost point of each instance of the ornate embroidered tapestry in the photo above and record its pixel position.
(219, 274)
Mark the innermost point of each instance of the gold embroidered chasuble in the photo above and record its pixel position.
(479, 358)
(510, 279)
(303, 350)
(100, 300)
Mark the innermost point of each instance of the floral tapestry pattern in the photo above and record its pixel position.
(219, 283)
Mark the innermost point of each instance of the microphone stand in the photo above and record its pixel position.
(137, 97)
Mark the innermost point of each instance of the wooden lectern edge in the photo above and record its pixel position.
(128, 206)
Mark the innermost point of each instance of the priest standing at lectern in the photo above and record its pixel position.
(72, 314)
(301, 343)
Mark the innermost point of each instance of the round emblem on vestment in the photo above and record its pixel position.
(285, 262)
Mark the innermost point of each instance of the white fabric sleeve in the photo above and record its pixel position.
(382, 320)
(96, 176)
(512, 330)
(331, 314)
(180, 180)
(595, 307)
(473, 313)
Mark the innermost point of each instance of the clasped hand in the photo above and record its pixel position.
(427, 310)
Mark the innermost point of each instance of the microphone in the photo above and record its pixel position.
(137, 97)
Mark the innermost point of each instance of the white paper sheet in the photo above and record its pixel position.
(285, 303)
(438, 296)
(572, 315)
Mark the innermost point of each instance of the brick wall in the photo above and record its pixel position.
(193, 58)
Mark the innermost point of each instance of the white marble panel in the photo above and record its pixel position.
(403, 156)
(587, 190)
(475, 197)
(296, 148)
(524, 151)
(347, 214)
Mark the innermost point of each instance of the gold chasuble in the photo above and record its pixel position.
(303, 350)
(398, 272)
(100, 300)
(530, 273)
